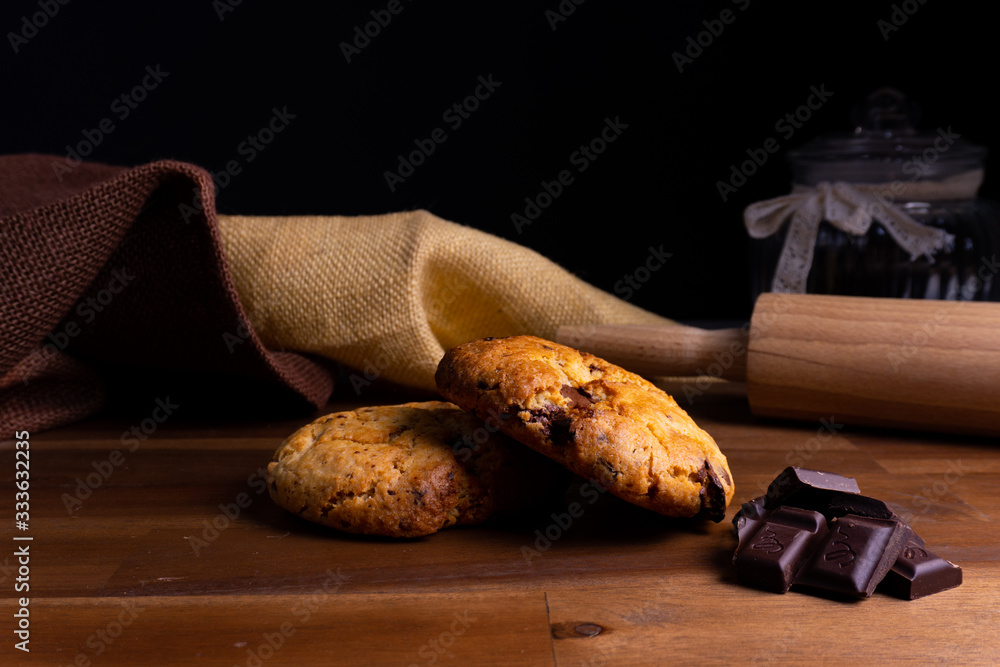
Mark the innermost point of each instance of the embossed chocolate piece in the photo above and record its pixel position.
(771, 552)
(855, 556)
(918, 573)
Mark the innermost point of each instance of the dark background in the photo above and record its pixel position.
(655, 185)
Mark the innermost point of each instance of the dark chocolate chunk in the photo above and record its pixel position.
(751, 509)
(835, 503)
(772, 549)
(576, 397)
(832, 494)
(744, 527)
(856, 555)
(712, 494)
(918, 572)
(793, 480)
(747, 528)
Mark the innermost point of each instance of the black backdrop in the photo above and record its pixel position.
(223, 69)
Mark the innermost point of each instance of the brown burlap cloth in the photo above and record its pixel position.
(125, 283)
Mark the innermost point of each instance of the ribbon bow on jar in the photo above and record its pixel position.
(851, 208)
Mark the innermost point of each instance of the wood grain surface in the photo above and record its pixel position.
(176, 555)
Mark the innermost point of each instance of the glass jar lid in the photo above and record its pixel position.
(885, 146)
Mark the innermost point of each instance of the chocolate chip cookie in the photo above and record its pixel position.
(596, 419)
(406, 470)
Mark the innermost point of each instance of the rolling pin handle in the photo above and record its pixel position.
(668, 350)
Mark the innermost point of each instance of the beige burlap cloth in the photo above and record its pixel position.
(387, 295)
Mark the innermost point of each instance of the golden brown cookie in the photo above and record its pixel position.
(596, 419)
(406, 470)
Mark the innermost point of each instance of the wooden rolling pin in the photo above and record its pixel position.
(901, 363)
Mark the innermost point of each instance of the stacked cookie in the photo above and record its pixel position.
(523, 411)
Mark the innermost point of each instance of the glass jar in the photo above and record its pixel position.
(894, 176)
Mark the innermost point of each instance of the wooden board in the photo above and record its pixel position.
(176, 555)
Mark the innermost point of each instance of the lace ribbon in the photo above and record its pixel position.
(851, 208)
